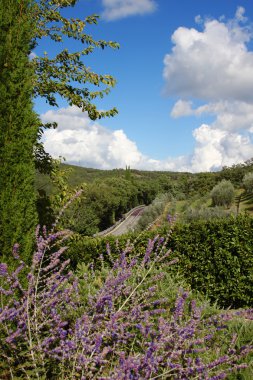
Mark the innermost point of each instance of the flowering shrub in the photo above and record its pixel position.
(55, 328)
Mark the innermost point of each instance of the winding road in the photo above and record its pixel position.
(128, 223)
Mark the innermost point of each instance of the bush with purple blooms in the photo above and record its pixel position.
(111, 323)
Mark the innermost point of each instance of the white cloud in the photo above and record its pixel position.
(89, 144)
(239, 15)
(216, 148)
(117, 9)
(225, 141)
(229, 115)
(85, 143)
(32, 55)
(182, 108)
(211, 64)
(214, 65)
(233, 116)
(198, 19)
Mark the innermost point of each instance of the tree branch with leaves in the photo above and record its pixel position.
(66, 74)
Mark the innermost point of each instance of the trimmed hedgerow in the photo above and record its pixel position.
(215, 256)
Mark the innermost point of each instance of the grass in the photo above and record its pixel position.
(197, 203)
(246, 202)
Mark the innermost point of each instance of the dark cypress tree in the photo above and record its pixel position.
(22, 24)
(18, 129)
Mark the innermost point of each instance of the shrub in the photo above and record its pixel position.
(215, 256)
(122, 331)
(153, 211)
(204, 213)
(248, 182)
(223, 194)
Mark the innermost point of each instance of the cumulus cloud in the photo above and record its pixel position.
(86, 143)
(117, 9)
(216, 148)
(182, 108)
(214, 65)
(211, 64)
(89, 144)
(229, 115)
(225, 141)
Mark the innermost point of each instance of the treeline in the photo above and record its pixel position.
(175, 182)
(108, 194)
(103, 202)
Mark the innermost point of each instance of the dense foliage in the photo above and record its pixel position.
(24, 23)
(215, 256)
(120, 189)
(18, 129)
(66, 73)
(153, 213)
(106, 197)
(248, 182)
(122, 318)
(204, 212)
(102, 203)
(235, 173)
(123, 329)
(223, 194)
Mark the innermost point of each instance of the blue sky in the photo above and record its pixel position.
(184, 87)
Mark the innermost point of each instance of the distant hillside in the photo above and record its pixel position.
(79, 175)
(109, 194)
(189, 183)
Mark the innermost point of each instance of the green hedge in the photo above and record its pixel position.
(215, 257)
(87, 249)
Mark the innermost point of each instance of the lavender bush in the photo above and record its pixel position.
(110, 324)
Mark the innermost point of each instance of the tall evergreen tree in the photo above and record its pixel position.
(18, 128)
(23, 23)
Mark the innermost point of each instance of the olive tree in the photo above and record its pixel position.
(223, 194)
(248, 182)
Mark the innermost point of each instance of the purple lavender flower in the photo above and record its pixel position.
(15, 251)
(123, 332)
(3, 270)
